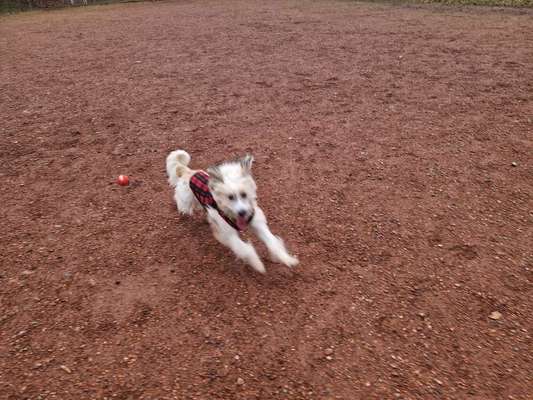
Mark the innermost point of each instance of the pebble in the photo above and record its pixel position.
(329, 358)
(514, 164)
(328, 351)
(240, 381)
(66, 369)
(495, 315)
(20, 333)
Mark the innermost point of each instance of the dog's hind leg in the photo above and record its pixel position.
(229, 237)
(275, 245)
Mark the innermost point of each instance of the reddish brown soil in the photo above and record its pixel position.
(385, 138)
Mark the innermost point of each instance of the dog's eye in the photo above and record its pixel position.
(243, 195)
(231, 197)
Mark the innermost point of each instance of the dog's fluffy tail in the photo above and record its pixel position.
(177, 163)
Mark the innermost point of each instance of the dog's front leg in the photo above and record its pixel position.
(229, 237)
(275, 245)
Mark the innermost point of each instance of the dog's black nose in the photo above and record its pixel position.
(242, 213)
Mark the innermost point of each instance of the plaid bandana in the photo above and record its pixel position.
(199, 186)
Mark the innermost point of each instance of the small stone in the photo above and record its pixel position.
(438, 381)
(328, 351)
(26, 272)
(514, 164)
(367, 384)
(329, 358)
(240, 381)
(66, 369)
(495, 315)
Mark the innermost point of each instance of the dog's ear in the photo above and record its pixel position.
(246, 163)
(214, 174)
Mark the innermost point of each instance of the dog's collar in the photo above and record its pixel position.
(199, 184)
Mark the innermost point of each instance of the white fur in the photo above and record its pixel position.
(235, 179)
(184, 197)
(229, 237)
(173, 160)
(274, 244)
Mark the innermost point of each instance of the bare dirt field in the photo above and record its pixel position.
(393, 151)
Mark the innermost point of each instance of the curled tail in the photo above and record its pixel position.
(177, 163)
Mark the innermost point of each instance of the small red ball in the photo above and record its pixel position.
(123, 180)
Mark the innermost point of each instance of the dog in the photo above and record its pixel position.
(227, 192)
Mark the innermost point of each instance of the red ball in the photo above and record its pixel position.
(123, 180)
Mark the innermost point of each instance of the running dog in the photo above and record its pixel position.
(227, 192)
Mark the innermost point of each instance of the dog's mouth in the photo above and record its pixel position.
(242, 222)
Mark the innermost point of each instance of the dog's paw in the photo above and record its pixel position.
(285, 258)
(291, 261)
(258, 266)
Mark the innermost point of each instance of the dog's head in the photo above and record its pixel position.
(234, 189)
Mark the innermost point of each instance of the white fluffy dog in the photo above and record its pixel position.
(228, 194)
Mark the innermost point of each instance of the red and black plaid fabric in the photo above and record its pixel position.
(199, 186)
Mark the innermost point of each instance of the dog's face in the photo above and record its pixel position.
(234, 189)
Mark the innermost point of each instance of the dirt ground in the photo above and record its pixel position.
(393, 150)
